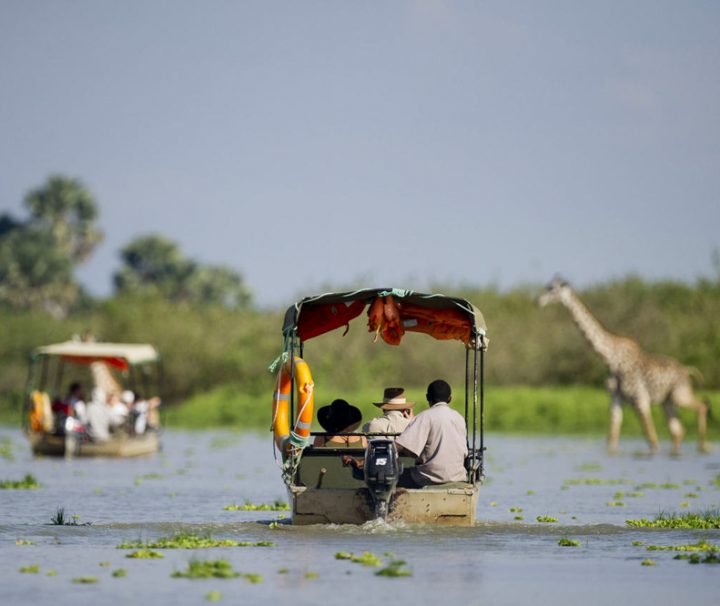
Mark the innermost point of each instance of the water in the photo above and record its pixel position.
(500, 561)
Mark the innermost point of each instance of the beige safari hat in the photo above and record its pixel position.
(394, 399)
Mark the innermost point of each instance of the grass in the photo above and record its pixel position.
(27, 483)
(59, 519)
(184, 540)
(700, 520)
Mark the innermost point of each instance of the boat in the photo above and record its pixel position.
(51, 425)
(321, 488)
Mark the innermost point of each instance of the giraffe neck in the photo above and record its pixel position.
(599, 338)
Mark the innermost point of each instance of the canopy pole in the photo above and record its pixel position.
(475, 394)
(467, 395)
(482, 410)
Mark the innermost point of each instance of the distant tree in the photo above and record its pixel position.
(67, 209)
(38, 256)
(154, 265)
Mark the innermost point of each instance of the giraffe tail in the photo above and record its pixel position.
(694, 372)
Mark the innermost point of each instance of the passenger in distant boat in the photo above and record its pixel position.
(120, 409)
(397, 413)
(438, 439)
(75, 402)
(337, 418)
(98, 416)
(145, 413)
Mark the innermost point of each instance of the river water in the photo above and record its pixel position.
(502, 560)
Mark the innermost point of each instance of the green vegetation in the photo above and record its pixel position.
(564, 542)
(59, 519)
(366, 559)
(85, 580)
(27, 483)
(23, 542)
(699, 546)
(184, 540)
(648, 562)
(32, 569)
(145, 554)
(696, 558)
(119, 573)
(213, 596)
(546, 519)
(6, 449)
(394, 569)
(224, 381)
(702, 520)
(218, 569)
(278, 505)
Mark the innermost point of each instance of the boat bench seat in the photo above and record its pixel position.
(314, 460)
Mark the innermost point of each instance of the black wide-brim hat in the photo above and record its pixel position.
(339, 416)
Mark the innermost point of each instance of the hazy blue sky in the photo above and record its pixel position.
(386, 143)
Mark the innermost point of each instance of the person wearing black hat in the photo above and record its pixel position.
(339, 417)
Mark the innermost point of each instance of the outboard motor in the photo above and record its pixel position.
(382, 472)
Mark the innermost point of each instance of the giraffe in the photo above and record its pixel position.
(104, 379)
(636, 376)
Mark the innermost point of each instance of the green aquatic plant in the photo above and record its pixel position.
(31, 569)
(648, 562)
(343, 555)
(207, 569)
(213, 596)
(691, 495)
(6, 449)
(184, 540)
(59, 519)
(23, 542)
(701, 520)
(311, 575)
(85, 580)
(51, 573)
(394, 569)
(699, 546)
(27, 483)
(119, 573)
(615, 504)
(593, 482)
(696, 558)
(589, 467)
(277, 505)
(145, 554)
(564, 542)
(283, 570)
(367, 558)
(637, 543)
(546, 519)
(104, 564)
(518, 517)
(516, 509)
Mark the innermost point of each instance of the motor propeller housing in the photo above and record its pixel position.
(382, 472)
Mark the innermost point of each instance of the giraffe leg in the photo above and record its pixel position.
(642, 405)
(616, 417)
(674, 425)
(683, 396)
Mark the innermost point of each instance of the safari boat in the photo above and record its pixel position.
(321, 488)
(117, 368)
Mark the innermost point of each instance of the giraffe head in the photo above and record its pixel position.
(555, 292)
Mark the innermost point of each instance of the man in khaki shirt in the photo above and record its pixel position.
(437, 437)
(397, 413)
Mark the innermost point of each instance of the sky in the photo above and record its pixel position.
(315, 144)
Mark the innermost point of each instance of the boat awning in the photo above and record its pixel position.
(391, 312)
(120, 355)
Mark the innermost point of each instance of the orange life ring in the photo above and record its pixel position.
(300, 435)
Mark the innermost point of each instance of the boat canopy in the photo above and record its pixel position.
(119, 355)
(391, 312)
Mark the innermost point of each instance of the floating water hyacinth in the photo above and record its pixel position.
(277, 505)
(31, 569)
(119, 573)
(546, 519)
(192, 541)
(145, 554)
(85, 580)
(699, 546)
(695, 558)
(702, 520)
(564, 542)
(394, 569)
(648, 562)
(27, 483)
(206, 569)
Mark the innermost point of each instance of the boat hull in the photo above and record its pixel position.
(449, 505)
(120, 445)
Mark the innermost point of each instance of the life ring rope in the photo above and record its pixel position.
(297, 438)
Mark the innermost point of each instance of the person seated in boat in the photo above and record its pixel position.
(98, 416)
(337, 418)
(397, 413)
(74, 404)
(145, 413)
(120, 404)
(437, 438)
